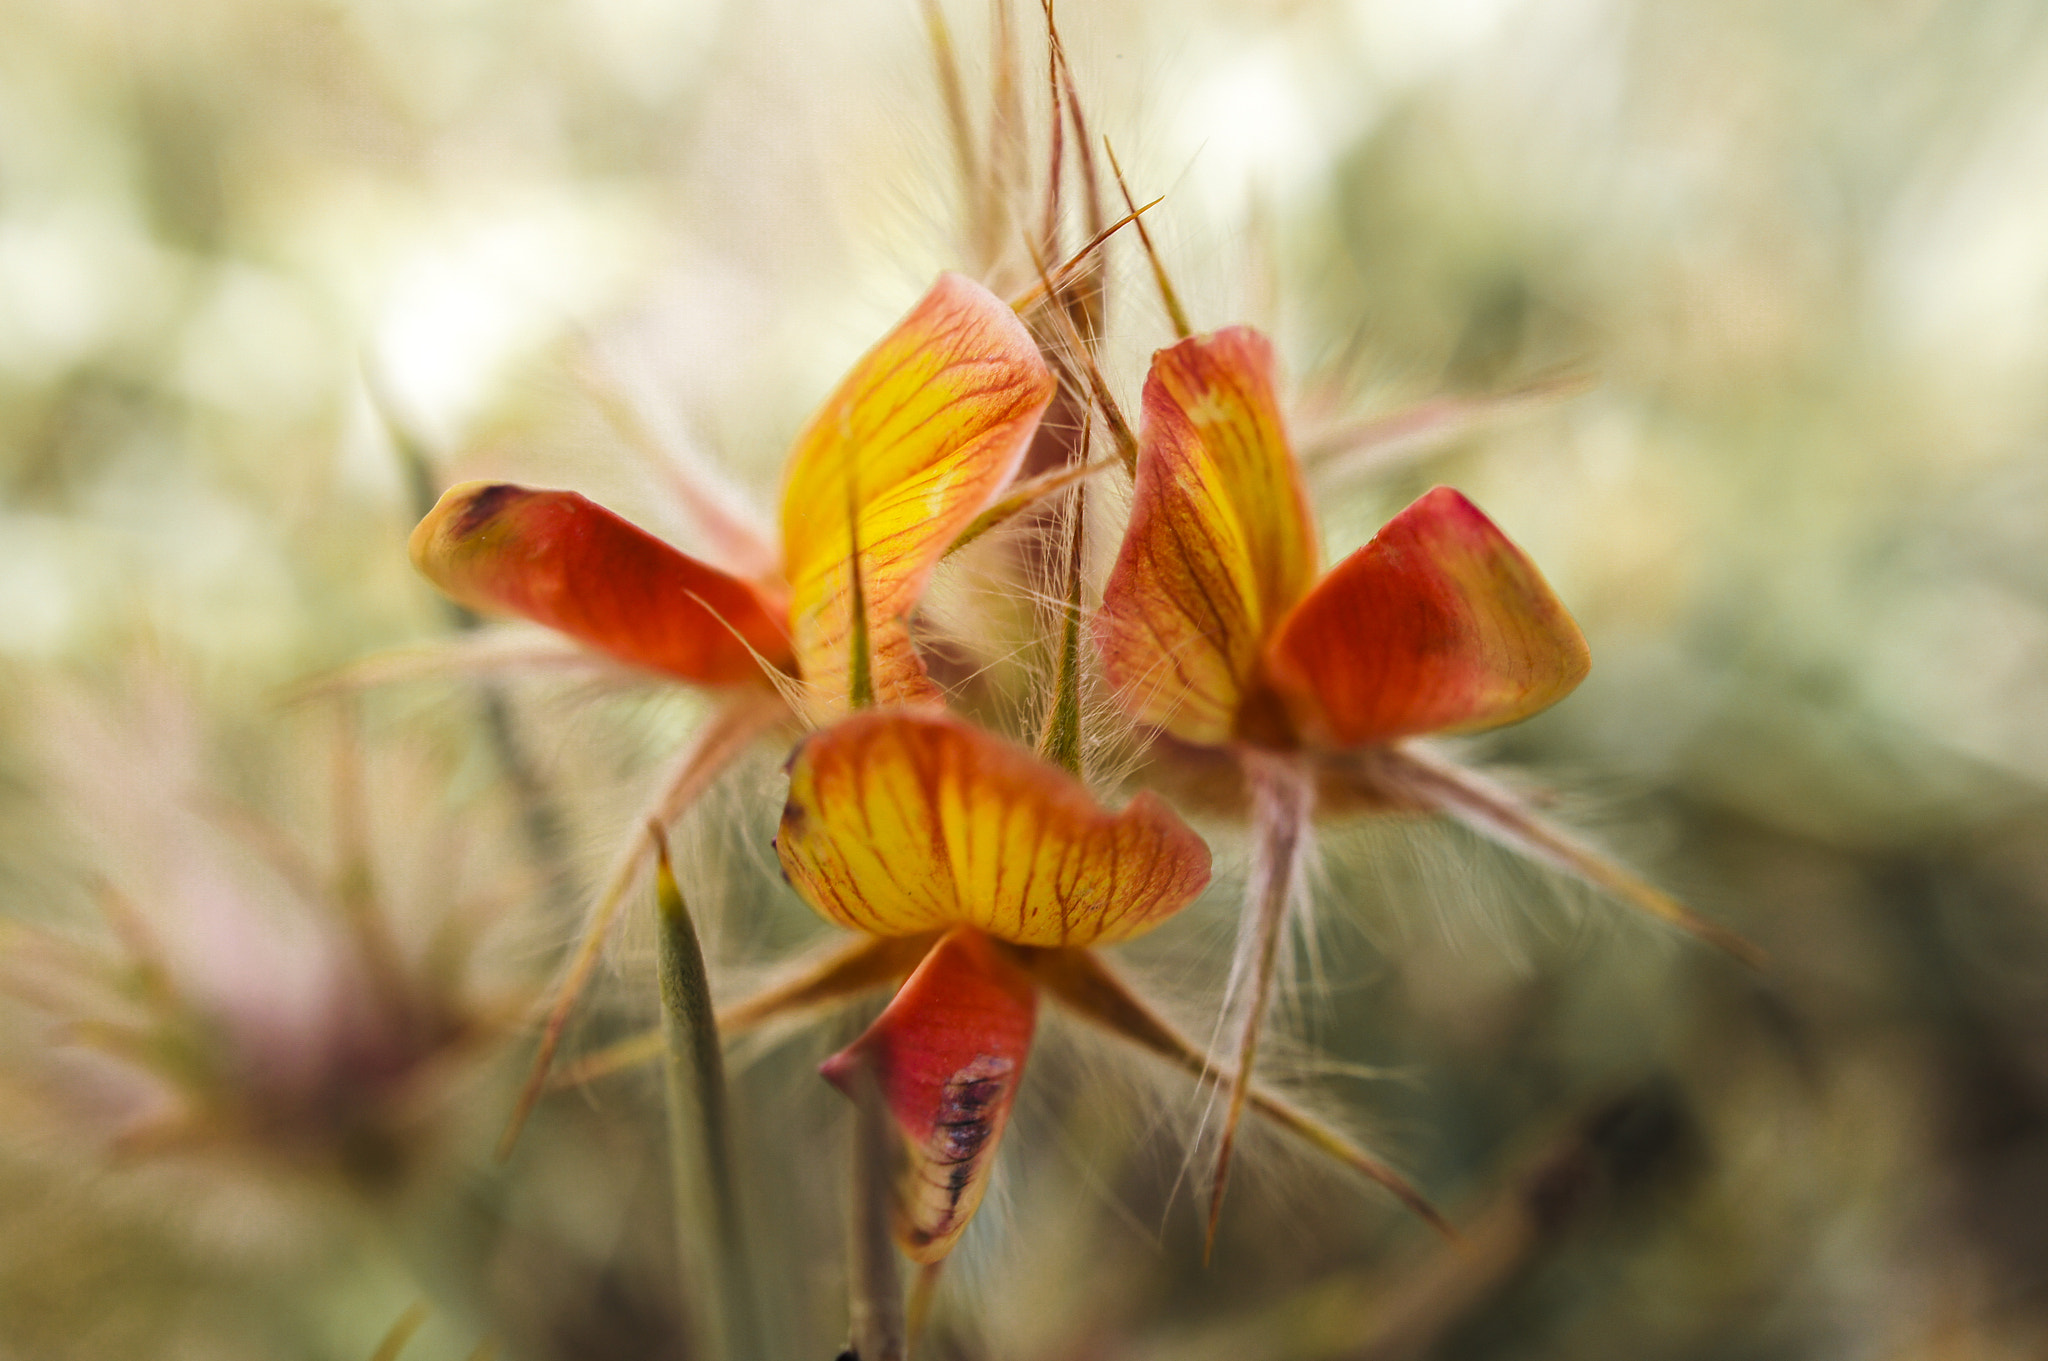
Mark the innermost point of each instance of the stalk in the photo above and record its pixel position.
(710, 1237)
(1283, 794)
(877, 1328)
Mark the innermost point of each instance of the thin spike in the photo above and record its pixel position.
(952, 92)
(1061, 278)
(1283, 795)
(844, 971)
(1082, 145)
(868, 962)
(709, 1229)
(1174, 311)
(1049, 227)
(1087, 986)
(152, 976)
(860, 668)
(723, 736)
(1060, 743)
(1112, 414)
(1496, 814)
(1380, 444)
(875, 1289)
(1028, 493)
(616, 1057)
(1006, 126)
(400, 1333)
(1089, 297)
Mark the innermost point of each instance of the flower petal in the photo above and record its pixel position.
(930, 425)
(1220, 544)
(902, 821)
(560, 560)
(1438, 625)
(948, 1053)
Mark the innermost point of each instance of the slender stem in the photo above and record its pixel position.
(1496, 814)
(1283, 794)
(710, 1236)
(876, 1323)
(860, 671)
(721, 739)
(952, 92)
(1026, 494)
(1087, 986)
(393, 1342)
(1060, 743)
(1175, 313)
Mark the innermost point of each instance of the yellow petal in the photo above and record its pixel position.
(927, 428)
(1220, 544)
(900, 822)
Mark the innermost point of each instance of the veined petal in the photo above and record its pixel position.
(927, 428)
(948, 1054)
(902, 821)
(1440, 624)
(1220, 544)
(561, 560)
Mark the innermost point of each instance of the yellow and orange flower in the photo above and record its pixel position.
(917, 439)
(1216, 631)
(910, 826)
(930, 424)
(1215, 628)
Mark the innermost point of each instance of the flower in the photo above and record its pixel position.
(915, 441)
(1217, 631)
(987, 875)
(1215, 628)
(930, 424)
(912, 826)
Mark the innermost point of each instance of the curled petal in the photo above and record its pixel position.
(947, 1054)
(558, 559)
(917, 440)
(1220, 544)
(900, 822)
(1438, 625)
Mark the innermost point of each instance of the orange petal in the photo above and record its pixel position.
(930, 425)
(560, 560)
(948, 1054)
(1438, 625)
(1220, 544)
(903, 821)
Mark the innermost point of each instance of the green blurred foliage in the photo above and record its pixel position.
(1800, 515)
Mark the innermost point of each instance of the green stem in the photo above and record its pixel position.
(709, 1233)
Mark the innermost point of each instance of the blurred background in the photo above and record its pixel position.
(268, 266)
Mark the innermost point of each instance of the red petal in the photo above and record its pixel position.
(948, 1054)
(1438, 625)
(560, 560)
